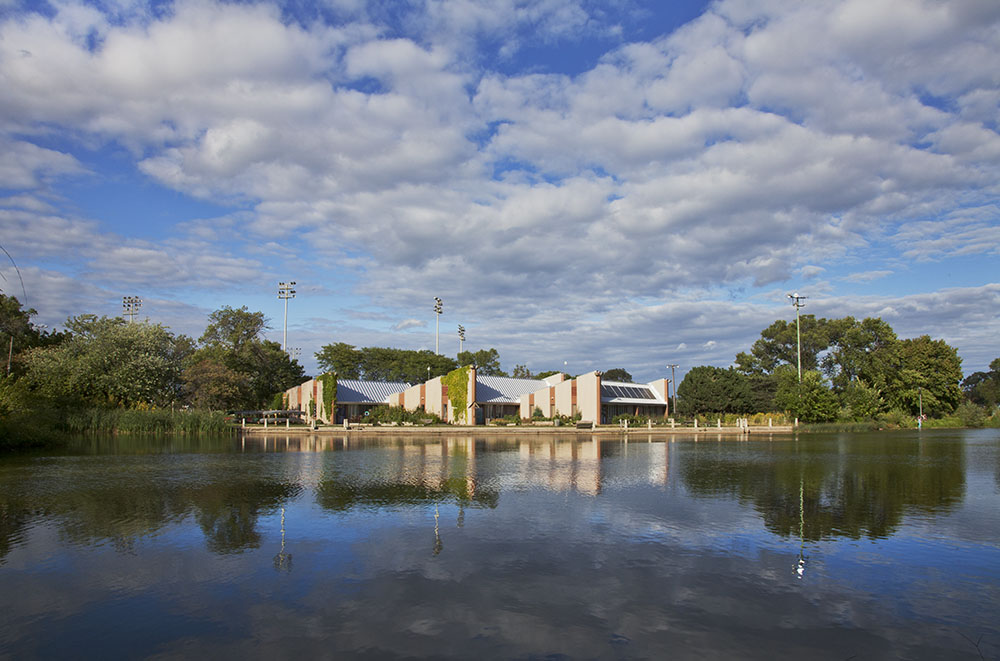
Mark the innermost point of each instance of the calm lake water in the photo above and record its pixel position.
(867, 546)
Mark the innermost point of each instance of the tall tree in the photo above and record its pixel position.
(928, 376)
(522, 372)
(778, 344)
(231, 328)
(865, 350)
(487, 361)
(983, 388)
(707, 389)
(383, 363)
(809, 400)
(617, 374)
(233, 339)
(340, 358)
(18, 333)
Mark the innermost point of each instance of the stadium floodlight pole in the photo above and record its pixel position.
(461, 337)
(797, 304)
(130, 307)
(285, 292)
(438, 307)
(673, 383)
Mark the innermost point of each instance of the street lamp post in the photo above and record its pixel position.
(437, 324)
(130, 307)
(285, 292)
(797, 304)
(673, 384)
(461, 337)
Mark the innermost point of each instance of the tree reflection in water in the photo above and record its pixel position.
(861, 487)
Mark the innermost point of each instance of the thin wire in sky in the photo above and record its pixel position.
(24, 301)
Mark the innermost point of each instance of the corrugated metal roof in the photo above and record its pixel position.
(367, 392)
(504, 389)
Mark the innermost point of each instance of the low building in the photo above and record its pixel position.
(598, 401)
(349, 399)
(464, 397)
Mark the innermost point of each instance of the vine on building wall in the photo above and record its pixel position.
(458, 387)
(329, 382)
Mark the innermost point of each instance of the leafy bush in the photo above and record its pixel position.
(387, 414)
(971, 415)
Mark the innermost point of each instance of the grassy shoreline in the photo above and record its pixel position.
(52, 428)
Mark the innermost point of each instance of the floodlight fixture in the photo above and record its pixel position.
(797, 304)
(285, 292)
(130, 307)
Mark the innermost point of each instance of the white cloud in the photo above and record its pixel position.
(758, 143)
(409, 323)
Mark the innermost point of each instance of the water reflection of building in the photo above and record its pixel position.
(411, 470)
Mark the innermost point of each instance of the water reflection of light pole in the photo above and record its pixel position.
(800, 566)
(438, 545)
(283, 561)
(797, 304)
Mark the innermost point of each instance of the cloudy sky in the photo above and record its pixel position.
(596, 184)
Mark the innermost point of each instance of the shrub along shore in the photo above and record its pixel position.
(48, 428)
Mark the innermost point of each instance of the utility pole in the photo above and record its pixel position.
(437, 324)
(797, 304)
(130, 307)
(285, 292)
(673, 385)
(461, 337)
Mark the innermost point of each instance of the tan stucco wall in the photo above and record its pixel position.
(542, 400)
(662, 386)
(564, 398)
(588, 396)
(432, 397)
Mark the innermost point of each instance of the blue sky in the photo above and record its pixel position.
(600, 184)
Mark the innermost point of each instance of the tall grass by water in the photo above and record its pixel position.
(153, 421)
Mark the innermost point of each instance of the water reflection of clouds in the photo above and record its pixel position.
(587, 552)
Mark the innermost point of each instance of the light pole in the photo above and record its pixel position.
(130, 307)
(673, 384)
(437, 324)
(797, 304)
(461, 337)
(285, 292)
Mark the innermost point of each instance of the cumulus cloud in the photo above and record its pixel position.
(409, 323)
(389, 151)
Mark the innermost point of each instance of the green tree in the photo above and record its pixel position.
(617, 374)
(928, 375)
(778, 344)
(18, 333)
(233, 339)
(865, 350)
(522, 372)
(707, 389)
(341, 359)
(487, 361)
(108, 362)
(983, 388)
(209, 384)
(861, 401)
(809, 401)
(231, 328)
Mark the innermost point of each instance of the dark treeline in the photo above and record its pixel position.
(57, 380)
(851, 371)
(389, 364)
